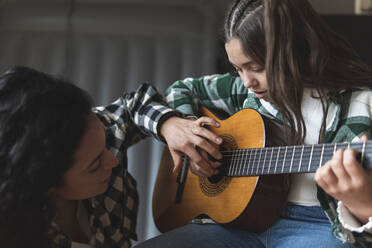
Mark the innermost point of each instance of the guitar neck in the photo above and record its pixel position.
(288, 159)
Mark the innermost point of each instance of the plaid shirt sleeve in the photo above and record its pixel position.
(222, 94)
(138, 113)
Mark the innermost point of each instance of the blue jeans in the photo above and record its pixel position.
(299, 226)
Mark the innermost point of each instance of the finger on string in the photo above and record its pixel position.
(338, 166)
(328, 174)
(352, 166)
(320, 180)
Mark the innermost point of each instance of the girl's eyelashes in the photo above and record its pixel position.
(257, 70)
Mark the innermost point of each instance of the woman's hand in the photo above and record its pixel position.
(345, 179)
(190, 136)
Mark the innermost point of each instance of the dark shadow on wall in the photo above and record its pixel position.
(356, 29)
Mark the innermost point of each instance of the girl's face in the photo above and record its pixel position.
(91, 171)
(252, 74)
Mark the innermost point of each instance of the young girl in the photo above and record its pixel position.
(291, 67)
(63, 167)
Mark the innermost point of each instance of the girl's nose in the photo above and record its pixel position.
(248, 80)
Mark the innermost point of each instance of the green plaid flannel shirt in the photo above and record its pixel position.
(349, 117)
(112, 215)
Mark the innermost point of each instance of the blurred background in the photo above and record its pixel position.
(111, 46)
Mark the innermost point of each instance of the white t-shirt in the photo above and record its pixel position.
(303, 188)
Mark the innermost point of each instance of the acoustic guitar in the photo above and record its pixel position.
(251, 188)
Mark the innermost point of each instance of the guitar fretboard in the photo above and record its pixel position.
(288, 159)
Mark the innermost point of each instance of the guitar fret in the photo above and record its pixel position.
(249, 160)
(254, 159)
(290, 168)
(239, 163)
(334, 149)
(302, 152)
(235, 162)
(277, 160)
(259, 160)
(231, 163)
(245, 161)
(236, 167)
(311, 156)
(285, 154)
(264, 161)
(268, 168)
(239, 167)
(321, 156)
(316, 157)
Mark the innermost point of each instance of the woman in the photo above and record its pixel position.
(291, 67)
(63, 177)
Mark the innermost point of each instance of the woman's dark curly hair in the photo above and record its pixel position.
(42, 120)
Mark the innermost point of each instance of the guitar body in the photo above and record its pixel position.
(253, 202)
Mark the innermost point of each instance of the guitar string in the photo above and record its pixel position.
(304, 167)
(239, 164)
(328, 148)
(288, 158)
(317, 147)
(243, 157)
(279, 159)
(326, 152)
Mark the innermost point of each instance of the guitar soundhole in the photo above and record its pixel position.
(215, 178)
(212, 186)
(213, 189)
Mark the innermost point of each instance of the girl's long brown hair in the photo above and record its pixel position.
(299, 51)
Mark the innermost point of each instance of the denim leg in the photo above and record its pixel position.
(204, 236)
(300, 226)
(304, 227)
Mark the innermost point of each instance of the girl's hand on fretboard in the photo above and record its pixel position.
(344, 178)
